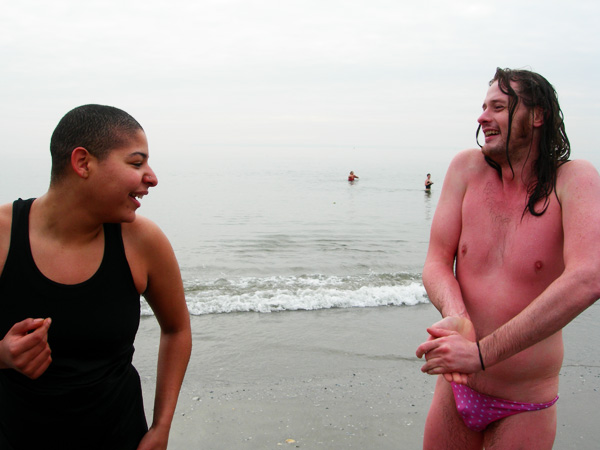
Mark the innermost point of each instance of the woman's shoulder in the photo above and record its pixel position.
(145, 237)
(5, 231)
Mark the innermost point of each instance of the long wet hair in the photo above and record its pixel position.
(554, 148)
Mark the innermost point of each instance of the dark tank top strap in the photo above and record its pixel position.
(19, 250)
(114, 249)
(112, 240)
(115, 265)
(20, 221)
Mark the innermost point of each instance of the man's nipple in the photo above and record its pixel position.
(538, 266)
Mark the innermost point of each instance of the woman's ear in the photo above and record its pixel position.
(80, 161)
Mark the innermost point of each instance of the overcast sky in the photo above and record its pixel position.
(290, 74)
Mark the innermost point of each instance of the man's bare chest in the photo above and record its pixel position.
(496, 234)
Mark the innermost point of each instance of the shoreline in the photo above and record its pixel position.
(335, 379)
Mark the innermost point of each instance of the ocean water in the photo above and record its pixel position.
(265, 230)
(275, 229)
(279, 231)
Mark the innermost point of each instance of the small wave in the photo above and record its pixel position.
(306, 292)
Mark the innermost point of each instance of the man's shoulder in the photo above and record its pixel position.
(577, 173)
(575, 167)
(468, 164)
(471, 158)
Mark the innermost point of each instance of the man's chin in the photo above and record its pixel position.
(492, 152)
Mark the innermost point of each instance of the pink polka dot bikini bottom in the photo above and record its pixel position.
(479, 410)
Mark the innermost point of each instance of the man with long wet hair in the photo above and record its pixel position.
(554, 147)
(513, 257)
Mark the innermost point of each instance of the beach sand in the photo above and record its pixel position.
(334, 379)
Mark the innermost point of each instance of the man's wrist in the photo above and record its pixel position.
(448, 312)
(480, 356)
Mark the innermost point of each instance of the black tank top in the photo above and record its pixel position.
(90, 396)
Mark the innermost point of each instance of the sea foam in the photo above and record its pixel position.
(306, 292)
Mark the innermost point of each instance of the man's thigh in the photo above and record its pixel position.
(444, 428)
(527, 430)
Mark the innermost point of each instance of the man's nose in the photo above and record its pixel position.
(483, 117)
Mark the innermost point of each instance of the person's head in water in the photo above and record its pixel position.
(97, 128)
(535, 92)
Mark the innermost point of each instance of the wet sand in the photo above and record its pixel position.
(335, 379)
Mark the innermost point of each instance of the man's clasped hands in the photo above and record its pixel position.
(451, 349)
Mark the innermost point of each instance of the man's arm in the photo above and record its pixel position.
(165, 296)
(578, 287)
(438, 273)
(575, 290)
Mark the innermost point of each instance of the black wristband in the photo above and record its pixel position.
(480, 357)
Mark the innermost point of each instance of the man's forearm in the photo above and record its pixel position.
(443, 290)
(566, 298)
